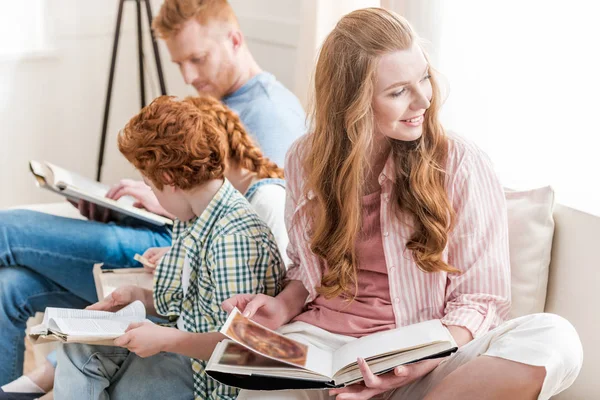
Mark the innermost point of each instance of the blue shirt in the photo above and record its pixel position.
(271, 114)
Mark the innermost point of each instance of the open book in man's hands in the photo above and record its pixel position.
(258, 358)
(75, 187)
(86, 326)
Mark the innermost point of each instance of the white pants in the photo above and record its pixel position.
(544, 340)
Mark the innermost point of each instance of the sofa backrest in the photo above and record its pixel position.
(574, 290)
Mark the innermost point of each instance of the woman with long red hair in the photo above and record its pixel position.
(393, 221)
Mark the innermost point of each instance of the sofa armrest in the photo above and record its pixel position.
(574, 288)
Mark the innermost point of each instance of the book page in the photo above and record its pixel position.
(76, 187)
(275, 346)
(63, 177)
(378, 366)
(102, 328)
(132, 312)
(42, 174)
(391, 341)
(232, 358)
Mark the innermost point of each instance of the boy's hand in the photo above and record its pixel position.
(145, 338)
(266, 310)
(153, 255)
(142, 193)
(118, 299)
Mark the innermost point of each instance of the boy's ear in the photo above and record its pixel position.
(167, 179)
(168, 183)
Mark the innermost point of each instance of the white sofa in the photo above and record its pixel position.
(573, 281)
(567, 288)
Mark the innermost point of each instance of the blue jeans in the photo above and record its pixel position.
(103, 372)
(46, 261)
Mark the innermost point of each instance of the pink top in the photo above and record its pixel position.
(371, 311)
(478, 299)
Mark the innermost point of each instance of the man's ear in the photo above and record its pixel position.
(237, 39)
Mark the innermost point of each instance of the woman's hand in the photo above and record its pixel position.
(266, 310)
(374, 385)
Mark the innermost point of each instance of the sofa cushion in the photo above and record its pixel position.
(530, 231)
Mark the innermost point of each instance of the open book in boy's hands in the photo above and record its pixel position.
(258, 358)
(109, 280)
(75, 187)
(86, 326)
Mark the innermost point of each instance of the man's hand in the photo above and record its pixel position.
(145, 338)
(119, 298)
(374, 385)
(142, 193)
(91, 211)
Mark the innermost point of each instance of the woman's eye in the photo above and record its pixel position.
(427, 77)
(398, 93)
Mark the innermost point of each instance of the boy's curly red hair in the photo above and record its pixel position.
(186, 143)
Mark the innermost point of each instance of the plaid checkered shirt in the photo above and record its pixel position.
(230, 250)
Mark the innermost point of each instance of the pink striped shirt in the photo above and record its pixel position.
(478, 298)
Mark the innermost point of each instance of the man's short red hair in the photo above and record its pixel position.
(174, 13)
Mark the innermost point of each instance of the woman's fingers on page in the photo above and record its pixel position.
(373, 384)
(239, 300)
(371, 380)
(355, 392)
(226, 306)
(253, 305)
(414, 371)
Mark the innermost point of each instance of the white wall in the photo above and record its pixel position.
(272, 29)
(52, 101)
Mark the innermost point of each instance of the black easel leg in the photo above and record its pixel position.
(138, 7)
(161, 79)
(111, 76)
